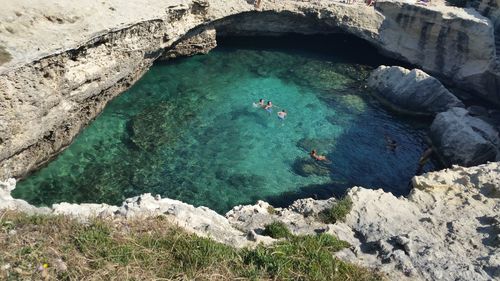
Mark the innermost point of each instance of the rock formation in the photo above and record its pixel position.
(413, 92)
(60, 64)
(445, 44)
(200, 42)
(448, 228)
(51, 86)
(462, 139)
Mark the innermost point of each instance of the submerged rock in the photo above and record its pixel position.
(462, 139)
(308, 167)
(413, 92)
(158, 125)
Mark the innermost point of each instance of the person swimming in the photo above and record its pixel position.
(282, 115)
(261, 103)
(390, 143)
(317, 157)
(269, 107)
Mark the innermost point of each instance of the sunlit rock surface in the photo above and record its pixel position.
(462, 139)
(448, 228)
(52, 86)
(200, 42)
(411, 91)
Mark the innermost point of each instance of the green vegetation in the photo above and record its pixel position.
(61, 248)
(4, 55)
(271, 210)
(277, 230)
(338, 212)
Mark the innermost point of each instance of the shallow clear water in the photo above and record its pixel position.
(188, 130)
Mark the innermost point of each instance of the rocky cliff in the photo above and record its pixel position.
(60, 64)
(448, 228)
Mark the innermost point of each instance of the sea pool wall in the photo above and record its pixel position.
(51, 91)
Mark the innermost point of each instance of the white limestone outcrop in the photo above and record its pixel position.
(448, 228)
(411, 91)
(199, 42)
(461, 139)
(61, 64)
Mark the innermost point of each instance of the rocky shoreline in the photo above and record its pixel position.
(63, 82)
(448, 228)
(52, 86)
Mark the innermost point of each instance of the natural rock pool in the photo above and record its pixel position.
(188, 130)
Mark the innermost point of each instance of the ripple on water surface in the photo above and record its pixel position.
(188, 130)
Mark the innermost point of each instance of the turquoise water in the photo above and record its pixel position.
(188, 130)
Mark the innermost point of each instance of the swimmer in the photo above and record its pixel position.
(269, 107)
(423, 160)
(316, 156)
(282, 115)
(259, 104)
(390, 143)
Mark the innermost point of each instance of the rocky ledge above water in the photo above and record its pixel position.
(411, 91)
(60, 64)
(448, 228)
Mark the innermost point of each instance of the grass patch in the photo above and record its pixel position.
(4, 55)
(337, 212)
(277, 230)
(152, 249)
(271, 210)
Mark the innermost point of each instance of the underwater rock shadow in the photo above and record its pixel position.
(315, 191)
(252, 115)
(362, 157)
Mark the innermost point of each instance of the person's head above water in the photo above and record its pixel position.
(261, 100)
(269, 102)
(283, 111)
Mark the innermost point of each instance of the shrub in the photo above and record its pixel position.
(307, 257)
(277, 230)
(338, 212)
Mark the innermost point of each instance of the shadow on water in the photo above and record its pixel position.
(366, 154)
(353, 49)
(315, 191)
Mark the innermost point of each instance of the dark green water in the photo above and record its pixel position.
(188, 130)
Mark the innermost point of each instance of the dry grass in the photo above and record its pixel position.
(151, 249)
(4, 55)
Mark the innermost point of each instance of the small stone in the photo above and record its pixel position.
(252, 236)
(60, 265)
(5, 267)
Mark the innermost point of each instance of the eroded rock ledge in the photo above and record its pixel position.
(62, 63)
(448, 228)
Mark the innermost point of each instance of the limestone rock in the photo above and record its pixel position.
(199, 42)
(462, 139)
(453, 42)
(64, 82)
(448, 228)
(413, 92)
(9, 203)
